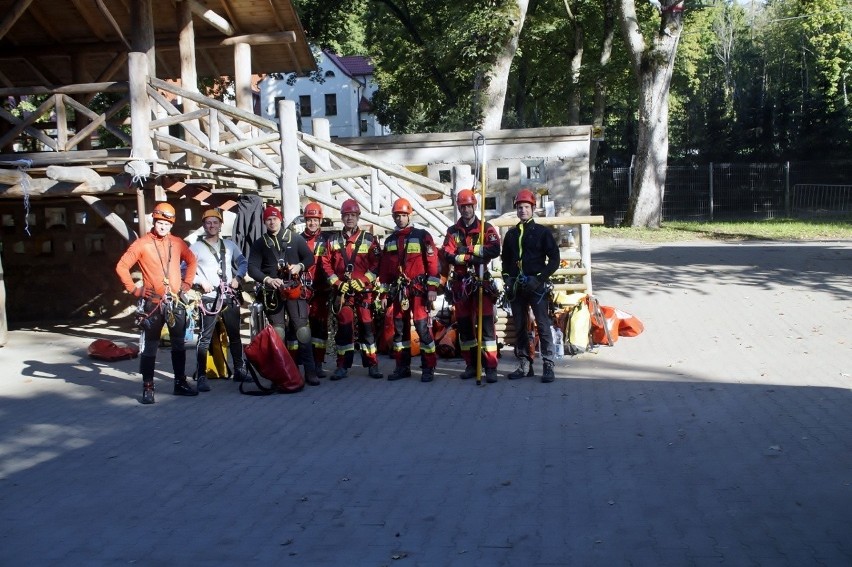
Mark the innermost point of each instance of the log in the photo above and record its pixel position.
(115, 221)
(13, 176)
(50, 188)
(74, 174)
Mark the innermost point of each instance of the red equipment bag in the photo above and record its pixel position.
(628, 325)
(604, 323)
(266, 355)
(103, 349)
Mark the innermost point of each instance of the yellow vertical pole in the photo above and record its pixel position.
(483, 184)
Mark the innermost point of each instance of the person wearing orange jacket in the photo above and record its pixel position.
(351, 263)
(466, 248)
(408, 275)
(159, 255)
(316, 284)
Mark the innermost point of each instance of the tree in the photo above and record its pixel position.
(652, 66)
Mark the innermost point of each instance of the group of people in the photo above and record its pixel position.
(304, 278)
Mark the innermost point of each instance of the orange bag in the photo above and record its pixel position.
(604, 323)
(266, 353)
(628, 325)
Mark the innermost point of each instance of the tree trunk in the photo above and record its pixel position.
(599, 108)
(653, 71)
(494, 95)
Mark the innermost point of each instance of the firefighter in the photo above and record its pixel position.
(277, 261)
(159, 255)
(464, 250)
(316, 283)
(351, 262)
(530, 256)
(221, 269)
(408, 276)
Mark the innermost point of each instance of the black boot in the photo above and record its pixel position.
(469, 372)
(147, 393)
(399, 373)
(523, 370)
(183, 389)
(547, 375)
(427, 375)
(146, 369)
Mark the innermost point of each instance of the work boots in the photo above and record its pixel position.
(320, 371)
(183, 389)
(339, 374)
(147, 393)
(524, 369)
(490, 375)
(427, 375)
(311, 378)
(547, 375)
(203, 384)
(241, 374)
(469, 372)
(373, 372)
(399, 373)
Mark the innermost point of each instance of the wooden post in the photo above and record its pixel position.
(586, 255)
(242, 76)
(322, 130)
(141, 66)
(289, 179)
(188, 71)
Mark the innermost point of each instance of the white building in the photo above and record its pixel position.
(340, 91)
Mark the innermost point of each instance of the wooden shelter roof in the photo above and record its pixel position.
(63, 42)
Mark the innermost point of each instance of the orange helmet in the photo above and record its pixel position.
(466, 197)
(313, 211)
(525, 196)
(212, 213)
(401, 206)
(350, 206)
(164, 211)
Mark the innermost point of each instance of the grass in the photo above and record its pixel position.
(776, 229)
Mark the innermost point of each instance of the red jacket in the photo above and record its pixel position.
(414, 250)
(361, 250)
(474, 252)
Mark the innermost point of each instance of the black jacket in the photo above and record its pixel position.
(538, 251)
(267, 250)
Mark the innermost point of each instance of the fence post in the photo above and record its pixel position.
(711, 190)
(787, 189)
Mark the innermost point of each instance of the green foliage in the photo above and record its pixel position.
(778, 229)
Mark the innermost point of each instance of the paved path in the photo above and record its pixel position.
(722, 435)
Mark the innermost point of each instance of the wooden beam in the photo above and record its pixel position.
(314, 178)
(13, 176)
(74, 174)
(13, 15)
(211, 17)
(106, 13)
(91, 17)
(111, 87)
(47, 24)
(105, 212)
(550, 221)
(255, 39)
(225, 109)
(45, 187)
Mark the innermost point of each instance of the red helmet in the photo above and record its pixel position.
(313, 211)
(350, 206)
(466, 197)
(526, 196)
(164, 211)
(401, 206)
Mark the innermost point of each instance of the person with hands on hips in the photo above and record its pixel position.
(159, 255)
(351, 262)
(221, 269)
(530, 256)
(277, 260)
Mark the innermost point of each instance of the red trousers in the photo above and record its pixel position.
(402, 333)
(358, 304)
(466, 319)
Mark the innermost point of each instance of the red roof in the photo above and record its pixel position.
(352, 65)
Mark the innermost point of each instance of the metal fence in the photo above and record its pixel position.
(732, 191)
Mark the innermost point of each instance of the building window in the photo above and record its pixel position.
(502, 173)
(490, 203)
(275, 108)
(445, 176)
(305, 105)
(363, 125)
(331, 105)
(535, 170)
